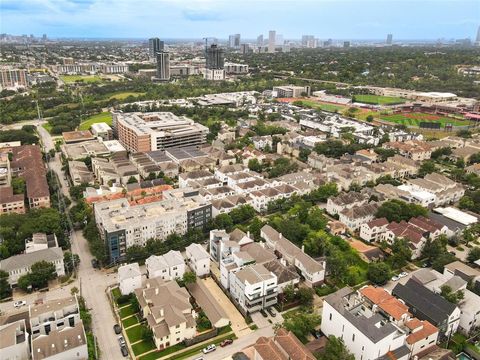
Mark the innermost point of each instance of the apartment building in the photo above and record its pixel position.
(15, 343)
(122, 224)
(79, 173)
(235, 68)
(143, 132)
(445, 190)
(54, 315)
(412, 149)
(198, 259)
(116, 170)
(10, 202)
(312, 271)
(290, 91)
(28, 164)
(21, 264)
(372, 230)
(168, 311)
(13, 78)
(261, 142)
(169, 266)
(129, 278)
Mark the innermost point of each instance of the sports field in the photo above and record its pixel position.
(378, 100)
(69, 79)
(414, 119)
(322, 106)
(124, 95)
(105, 117)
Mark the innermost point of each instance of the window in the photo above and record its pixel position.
(353, 337)
(330, 317)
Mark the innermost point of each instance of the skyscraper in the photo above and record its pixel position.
(389, 39)
(234, 41)
(260, 40)
(154, 46)
(271, 41)
(244, 48)
(215, 57)
(163, 66)
(477, 40)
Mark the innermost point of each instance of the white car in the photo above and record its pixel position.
(19, 304)
(403, 274)
(395, 278)
(209, 349)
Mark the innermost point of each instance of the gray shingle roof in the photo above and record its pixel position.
(26, 260)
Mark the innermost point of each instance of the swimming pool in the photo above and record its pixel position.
(463, 356)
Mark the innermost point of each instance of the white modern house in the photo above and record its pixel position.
(198, 259)
(129, 278)
(169, 266)
(15, 340)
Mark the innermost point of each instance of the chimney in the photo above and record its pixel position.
(161, 312)
(303, 248)
(248, 234)
(280, 236)
(156, 291)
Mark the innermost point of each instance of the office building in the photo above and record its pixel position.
(143, 132)
(234, 41)
(389, 39)
(308, 41)
(114, 68)
(260, 40)
(13, 78)
(290, 91)
(477, 40)
(244, 49)
(214, 74)
(233, 68)
(271, 41)
(346, 44)
(163, 66)
(215, 57)
(154, 45)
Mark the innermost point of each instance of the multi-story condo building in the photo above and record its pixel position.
(169, 266)
(163, 66)
(10, 202)
(13, 78)
(122, 225)
(114, 68)
(54, 315)
(154, 46)
(143, 132)
(291, 91)
(198, 259)
(215, 57)
(233, 68)
(168, 311)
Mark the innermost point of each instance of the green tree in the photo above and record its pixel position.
(473, 254)
(397, 210)
(18, 185)
(254, 165)
(378, 273)
(223, 221)
(305, 296)
(189, 277)
(146, 333)
(450, 296)
(401, 253)
(427, 167)
(132, 180)
(5, 290)
(302, 323)
(335, 349)
(70, 261)
(41, 273)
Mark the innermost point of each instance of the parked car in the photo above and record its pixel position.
(94, 263)
(117, 328)
(395, 278)
(271, 312)
(124, 350)
(452, 253)
(209, 349)
(316, 334)
(403, 274)
(226, 342)
(121, 341)
(19, 303)
(264, 313)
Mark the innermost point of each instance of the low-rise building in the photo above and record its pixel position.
(169, 266)
(356, 216)
(445, 190)
(198, 259)
(102, 130)
(261, 142)
(129, 278)
(14, 341)
(10, 202)
(79, 173)
(413, 149)
(372, 230)
(335, 205)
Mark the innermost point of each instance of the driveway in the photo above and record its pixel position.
(268, 321)
(239, 326)
(459, 254)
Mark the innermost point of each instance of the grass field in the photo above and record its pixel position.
(135, 333)
(414, 119)
(69, 79)
(105, 117)
(378, 100)
(47, 127)
(323, 106)
(126, 311)
(124, 95)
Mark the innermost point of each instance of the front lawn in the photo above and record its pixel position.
(143, 347)
(135, 333)
(105, 117)
(130, 321)
(126, 311)
(165, 352)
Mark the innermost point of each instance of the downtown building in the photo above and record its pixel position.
(122, 225)
(163, 66)
(154, 45)
(144, 132)
(215, 63)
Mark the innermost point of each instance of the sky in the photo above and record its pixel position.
(169, 19)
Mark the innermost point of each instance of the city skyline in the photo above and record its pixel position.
(346, 19)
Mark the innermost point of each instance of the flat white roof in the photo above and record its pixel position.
(419, 194)
(113, 146)
(457, 215)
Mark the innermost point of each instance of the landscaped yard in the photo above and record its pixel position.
(162, 353)
(414, 119)
(378, 100)
(69, 79)
(105, 117)
(135, 334)
(143, 347)
(126, 311)
(47, 127)
(130, 321)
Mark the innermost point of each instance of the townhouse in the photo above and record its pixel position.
(413, 149)
(372, 230)
(355, 216)
(445, 190)
(169, 266)
(15, 343)
(335, 205)
(168, 311)
(129, 278)
(262, 142)
(198, 259)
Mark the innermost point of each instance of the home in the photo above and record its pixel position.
(169, 266)
(129, 278)
(198, 259)
(262, 142)
(208, 303)
(413, 149)
(15, 340)
(168, 311)
(372, 230)
(335, 205)
(445, 190)
(312, 271)
(426, 305)
(355, 216)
